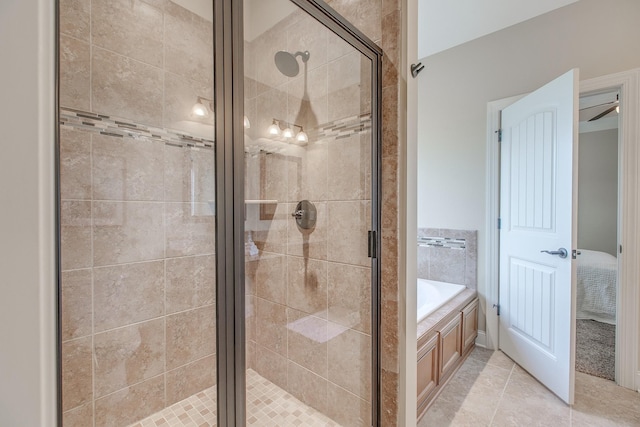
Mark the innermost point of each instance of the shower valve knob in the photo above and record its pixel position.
(298, 214)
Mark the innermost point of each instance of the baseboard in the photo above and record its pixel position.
(481, 339)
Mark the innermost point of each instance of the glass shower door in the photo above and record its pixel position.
(308, 190)
(137, 186)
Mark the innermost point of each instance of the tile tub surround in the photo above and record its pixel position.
(138, 279)
(448, 256)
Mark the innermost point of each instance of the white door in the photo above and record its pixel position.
(537, 200)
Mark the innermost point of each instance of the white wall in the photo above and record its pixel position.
(598, 191)
(598, 37)
(27, 278)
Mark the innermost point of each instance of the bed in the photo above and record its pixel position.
(596, 293)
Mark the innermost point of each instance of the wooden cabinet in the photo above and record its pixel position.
(450, 346)
(427, 369)
(469, 326)
(441, 351)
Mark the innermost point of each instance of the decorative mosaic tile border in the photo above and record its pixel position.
(442, 242)
(342, 128)
(118, 127)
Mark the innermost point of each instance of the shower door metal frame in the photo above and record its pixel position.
(230, 143)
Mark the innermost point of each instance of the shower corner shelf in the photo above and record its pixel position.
(261, 202)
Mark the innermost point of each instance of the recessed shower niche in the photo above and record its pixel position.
(177, 304)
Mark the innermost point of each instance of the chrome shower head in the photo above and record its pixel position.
(287, 63)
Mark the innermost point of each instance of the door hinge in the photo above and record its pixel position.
(373, 244)
(499, 223)
(499, 132)
(497, 307)
(621, 249)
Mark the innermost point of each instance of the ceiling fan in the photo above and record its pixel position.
(613, 106)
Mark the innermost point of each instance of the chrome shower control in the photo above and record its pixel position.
(305, 215)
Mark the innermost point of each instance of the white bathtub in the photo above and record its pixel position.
(433, 294)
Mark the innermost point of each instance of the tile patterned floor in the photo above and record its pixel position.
(267, 406)
(491, 390)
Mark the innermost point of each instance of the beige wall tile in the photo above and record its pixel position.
(75, 234)
(75, 78)
(389, 398)
(191, 335)
(76, 304)
(337, 47)
(268, 276)
(126, 294)
(271, 329)
(265, 47)
(180, 164)
(250, 318)
(191, 282)
(128, 355)
(270, 235)
(308, 243)
(271, 366)
(350, 362)
(349, 296)
(76, 373)
(307, 172)
(348, 167)
(307, 386)
(129, 27)
(447, 265)
(127, 232)
(190, 379)
(270, 104)
(75, 164)
(190, 229)
(273, 176)
(307, 98)
(127, 169)
(126, 88)
(188, 44)
(180, 95)
(347, 236)
(307, 285)
(307, 34)
(344, 87)
(79, 417)
(75, 18)
(364, 15)
(130, 404)
(307, 341)
(346, 408)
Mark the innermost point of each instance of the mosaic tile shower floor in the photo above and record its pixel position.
(267, 406)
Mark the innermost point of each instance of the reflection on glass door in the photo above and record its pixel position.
(137, 213)
(308, 197)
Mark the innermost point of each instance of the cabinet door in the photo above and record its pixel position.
(427, 371)
(450, 347)
(469, 326)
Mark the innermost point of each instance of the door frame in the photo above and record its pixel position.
(628, 308)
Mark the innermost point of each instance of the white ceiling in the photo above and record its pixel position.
(443, 24)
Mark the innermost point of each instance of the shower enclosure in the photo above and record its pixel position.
(218, 213)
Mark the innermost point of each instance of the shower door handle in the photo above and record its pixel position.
(561, 252)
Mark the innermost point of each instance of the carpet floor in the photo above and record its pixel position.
(595, 348)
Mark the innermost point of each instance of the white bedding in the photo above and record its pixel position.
(596, 293)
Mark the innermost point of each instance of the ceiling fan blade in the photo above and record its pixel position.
(604, 113)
